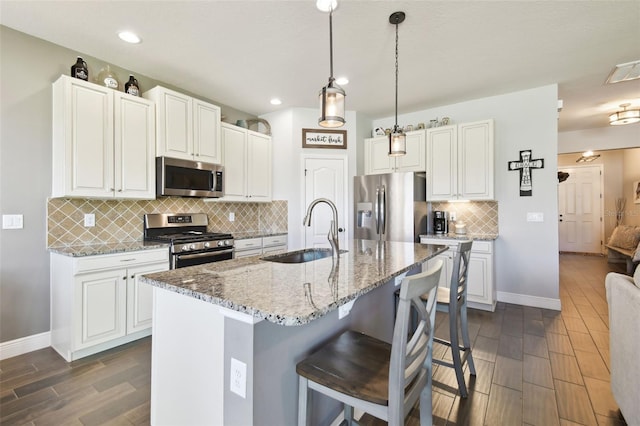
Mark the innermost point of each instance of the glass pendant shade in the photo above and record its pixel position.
(331, 106)
(397, 142)
(626, 116)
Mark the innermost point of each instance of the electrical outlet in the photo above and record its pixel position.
(452, 216)
(238, 378)
(232, 216)
(89, 220)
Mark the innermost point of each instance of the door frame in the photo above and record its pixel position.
(303, 208)
(602, 189)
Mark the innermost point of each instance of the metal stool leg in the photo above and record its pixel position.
(466, 341)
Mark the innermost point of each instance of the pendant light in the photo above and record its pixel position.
(332, 95)
(626, 116)
(397, 138)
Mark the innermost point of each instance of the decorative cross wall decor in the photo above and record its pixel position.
(524, 166)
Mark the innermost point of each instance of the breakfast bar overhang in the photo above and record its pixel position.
(227, 335)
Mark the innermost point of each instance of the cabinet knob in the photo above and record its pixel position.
(132, 276)
(119, 190)
(124, 278)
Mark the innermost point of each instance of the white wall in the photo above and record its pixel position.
(527, 270)
(288, 177)
(612, 137)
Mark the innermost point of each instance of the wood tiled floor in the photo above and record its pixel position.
(534, 367)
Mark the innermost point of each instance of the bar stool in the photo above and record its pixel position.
(453, 300)
(384, 380)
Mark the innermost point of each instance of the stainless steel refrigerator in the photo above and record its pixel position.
(390, 206)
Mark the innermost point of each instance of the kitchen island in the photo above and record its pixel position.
(227, 335)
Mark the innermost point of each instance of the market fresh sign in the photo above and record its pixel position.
(321, 138)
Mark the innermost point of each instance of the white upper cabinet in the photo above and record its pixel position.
(103, 142)
(460, 162)
(246, 157)
(187, 128)
(377, 160)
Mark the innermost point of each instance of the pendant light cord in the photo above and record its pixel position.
(396, 126)
(330, 44)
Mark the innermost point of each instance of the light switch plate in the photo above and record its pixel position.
(12, 221)
(238, 378)
(535, 217)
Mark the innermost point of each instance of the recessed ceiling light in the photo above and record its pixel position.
(342, 81)
(129, 37)
(275, 101)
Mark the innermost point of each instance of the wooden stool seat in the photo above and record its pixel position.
(381, 379)
(353, 363)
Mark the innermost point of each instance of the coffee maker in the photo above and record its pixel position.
(440, 224)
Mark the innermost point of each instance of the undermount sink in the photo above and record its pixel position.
(301, 256)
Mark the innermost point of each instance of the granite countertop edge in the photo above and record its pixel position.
(473, 237)
(270, 316)
(255, 234)
(83, 250)
(217, 283)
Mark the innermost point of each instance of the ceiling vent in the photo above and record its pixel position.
(624, 72)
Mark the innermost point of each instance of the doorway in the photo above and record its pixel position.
(325, 177)
(580, 209)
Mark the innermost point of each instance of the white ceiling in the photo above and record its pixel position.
(243, 53)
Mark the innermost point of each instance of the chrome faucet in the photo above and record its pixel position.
(333, 230)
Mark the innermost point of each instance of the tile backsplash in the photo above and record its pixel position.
(481, 217)
(121, 220)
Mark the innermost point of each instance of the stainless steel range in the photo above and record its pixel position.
(190, 243)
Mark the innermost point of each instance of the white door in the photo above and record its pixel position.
(325, 177)
(580, 210)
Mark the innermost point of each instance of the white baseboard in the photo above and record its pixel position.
(25, 344)
(526, 300)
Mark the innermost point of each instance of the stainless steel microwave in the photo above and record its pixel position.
(187, 178)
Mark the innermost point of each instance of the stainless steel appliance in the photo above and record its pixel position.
(440, 223)
(390, 207)
(187, 178)
(189, 242)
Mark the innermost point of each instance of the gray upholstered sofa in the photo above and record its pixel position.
(623, 297)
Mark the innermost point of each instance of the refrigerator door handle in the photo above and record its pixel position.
(377, 210)
(383, 209)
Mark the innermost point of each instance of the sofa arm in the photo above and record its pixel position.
(623, 298)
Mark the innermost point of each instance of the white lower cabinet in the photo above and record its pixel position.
(98, 302)
(261, 245)
(481, 293)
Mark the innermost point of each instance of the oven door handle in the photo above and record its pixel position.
(205, 254)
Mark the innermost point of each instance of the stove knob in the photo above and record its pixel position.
(207, 244)
(220, 243)
(192, 247)
(227, 242)
(185, 248)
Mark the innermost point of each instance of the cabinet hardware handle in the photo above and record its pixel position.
(127, 260)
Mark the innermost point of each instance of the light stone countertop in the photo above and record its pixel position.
(479, 237)
(254, 234)
(295, 293)
(104, 248)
